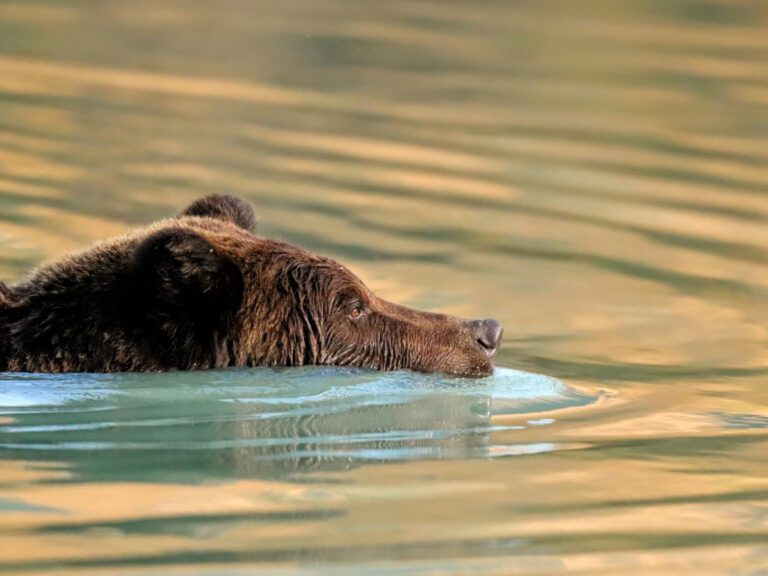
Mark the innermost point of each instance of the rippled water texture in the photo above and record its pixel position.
(592, 174)
(265, 423)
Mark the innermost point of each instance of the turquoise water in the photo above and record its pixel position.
(592, 174)
(264, 423)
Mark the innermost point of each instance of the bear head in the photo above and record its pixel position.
(202, 290)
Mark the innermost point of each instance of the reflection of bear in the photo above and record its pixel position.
(209, 426)
(302, 440)
(202, 291)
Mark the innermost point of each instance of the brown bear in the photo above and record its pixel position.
(202, 290)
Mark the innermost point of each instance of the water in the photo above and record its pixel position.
(265, 423)
(592, 174)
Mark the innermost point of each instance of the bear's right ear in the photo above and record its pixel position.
(177, 269)
(223, 207)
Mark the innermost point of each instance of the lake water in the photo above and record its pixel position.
(592, 174)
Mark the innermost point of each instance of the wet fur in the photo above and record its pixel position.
(203, 291)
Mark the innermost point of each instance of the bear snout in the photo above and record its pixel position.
(487, 333)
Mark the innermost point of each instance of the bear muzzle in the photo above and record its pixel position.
(488, 334)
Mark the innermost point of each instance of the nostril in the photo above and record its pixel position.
(485, 343)
(488, 334)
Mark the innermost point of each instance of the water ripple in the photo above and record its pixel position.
(251, 416)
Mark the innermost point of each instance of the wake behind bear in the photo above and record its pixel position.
(202, 290)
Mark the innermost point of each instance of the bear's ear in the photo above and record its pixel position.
(224, 207)
(5, 294)
(180, 270)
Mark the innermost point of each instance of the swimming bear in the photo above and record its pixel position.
(203, 290)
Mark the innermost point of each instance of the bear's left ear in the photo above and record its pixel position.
(180, 270)
(223, 207)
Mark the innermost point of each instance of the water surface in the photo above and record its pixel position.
(592, 174)
(265, 423)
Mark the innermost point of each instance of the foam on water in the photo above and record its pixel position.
(510, 390)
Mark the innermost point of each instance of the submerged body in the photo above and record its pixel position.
(204, 291)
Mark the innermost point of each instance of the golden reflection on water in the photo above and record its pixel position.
(606, 507)
(592, 175)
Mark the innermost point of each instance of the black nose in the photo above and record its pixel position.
(488, 334)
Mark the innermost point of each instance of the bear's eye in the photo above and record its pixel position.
(355, 312)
